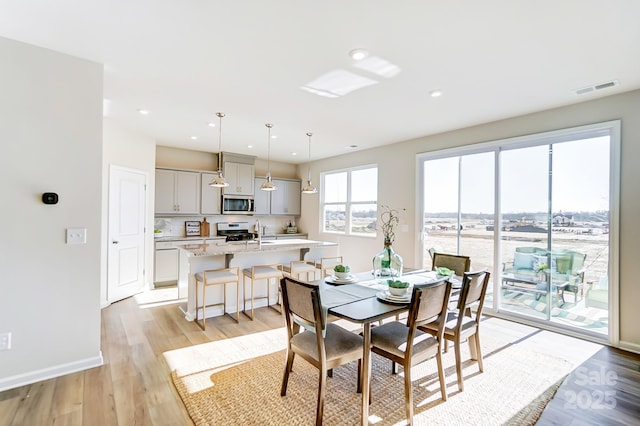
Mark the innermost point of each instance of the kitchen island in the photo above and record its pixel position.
(196, 258)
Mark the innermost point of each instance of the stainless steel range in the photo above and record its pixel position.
(235, 231)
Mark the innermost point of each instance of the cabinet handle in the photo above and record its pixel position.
(115, 242)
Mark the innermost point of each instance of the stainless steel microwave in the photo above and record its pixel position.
(237, 204)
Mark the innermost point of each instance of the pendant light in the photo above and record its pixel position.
(308, 187)
(268, 185)
(219, 181)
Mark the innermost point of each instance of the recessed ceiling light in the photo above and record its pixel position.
(143, 111)
(249, 146)
(211, 124)
(193, 138)
(274, 136)
(294, 153)
(358, 54)
(435, 93)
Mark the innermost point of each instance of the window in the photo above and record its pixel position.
(536, 211)
(349, 201)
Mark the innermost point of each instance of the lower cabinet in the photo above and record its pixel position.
(166, 266)
(165, 271)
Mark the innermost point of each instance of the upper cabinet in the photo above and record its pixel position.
(177, 192)
(239, 171)
(210, 195)
(240, 178)
(283, 201)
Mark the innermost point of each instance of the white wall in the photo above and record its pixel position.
(127, 149)
(51, 138)
(397, 182)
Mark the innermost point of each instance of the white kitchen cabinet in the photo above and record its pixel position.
(166, 260)
(166, 266)
(283, 201)
(210, 195)
(177, 192)
(240, 178)
(261, 199)
(286, 199)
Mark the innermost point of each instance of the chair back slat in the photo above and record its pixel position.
(428, 300)
(302, 301)
(458, 264)
(474, 289)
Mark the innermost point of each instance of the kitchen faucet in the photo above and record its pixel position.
(258, 230)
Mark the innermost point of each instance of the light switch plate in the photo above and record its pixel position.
(5, 341)
(76, 235)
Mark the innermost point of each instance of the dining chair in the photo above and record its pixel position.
(327, 264)
(322, 344)
(462, 324)
(406, 344)
(457, 263)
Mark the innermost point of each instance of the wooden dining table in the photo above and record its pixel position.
(357, 302)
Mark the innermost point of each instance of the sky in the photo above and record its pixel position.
(580, 179)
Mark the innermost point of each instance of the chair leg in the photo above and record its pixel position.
(478, 351)
(322, 383)
(458, 365)
(287, 370)
(394, 369)
(408, 394)
(441, 377)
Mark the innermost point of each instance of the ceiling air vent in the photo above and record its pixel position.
(595, 87)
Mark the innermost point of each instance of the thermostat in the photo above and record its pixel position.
(50, 198)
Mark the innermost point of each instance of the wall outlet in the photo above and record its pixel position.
(5, 341)
(76, 235)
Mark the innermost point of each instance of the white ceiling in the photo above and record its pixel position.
(185, 60)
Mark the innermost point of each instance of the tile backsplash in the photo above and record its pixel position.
(174, 226)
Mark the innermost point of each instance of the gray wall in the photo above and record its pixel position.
(51, 139)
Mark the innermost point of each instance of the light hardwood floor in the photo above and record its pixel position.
(134, 386)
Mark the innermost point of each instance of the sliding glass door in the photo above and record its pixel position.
(544, 236)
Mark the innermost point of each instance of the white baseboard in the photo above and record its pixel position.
(49, 373)
(628, 346)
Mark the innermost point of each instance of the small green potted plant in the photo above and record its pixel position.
(341, 271)
(397, 287)
(157, 233)
(541, 270)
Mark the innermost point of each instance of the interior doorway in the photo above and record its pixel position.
(126, 233)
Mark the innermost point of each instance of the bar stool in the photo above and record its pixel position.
(328, 263)
(299, 267)
(260, 272)
(213, 277)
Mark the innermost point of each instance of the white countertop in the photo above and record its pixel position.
(223, 248)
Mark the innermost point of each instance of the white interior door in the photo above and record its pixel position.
(125, 259)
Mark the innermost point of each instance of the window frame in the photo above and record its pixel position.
(348, 203)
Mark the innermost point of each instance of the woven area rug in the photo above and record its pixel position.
(237, 381)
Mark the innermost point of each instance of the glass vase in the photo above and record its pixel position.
(387, 263)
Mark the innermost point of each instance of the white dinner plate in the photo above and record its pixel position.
(388, 297)
(335, 280)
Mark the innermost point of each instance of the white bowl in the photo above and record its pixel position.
(398, 291)
(342, 275)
